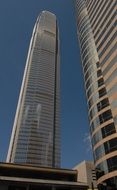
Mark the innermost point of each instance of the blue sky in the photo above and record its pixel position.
(17, 19)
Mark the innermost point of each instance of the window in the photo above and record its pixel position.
(101, 119)
(99, 73)
(103, 132)
(100, 82)
(110, 145)
(98, 64)
(104, 103)
(102, 92)
(108, 130)
(105, 148)
(106, 166)
(105, 116)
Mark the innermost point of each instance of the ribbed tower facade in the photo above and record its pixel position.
(97, 34)
(35, 136)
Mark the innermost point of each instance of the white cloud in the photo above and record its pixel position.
(87, 141)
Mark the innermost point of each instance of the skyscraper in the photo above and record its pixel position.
(35, 136)
(97, 33)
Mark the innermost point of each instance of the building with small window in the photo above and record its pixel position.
(97, 34)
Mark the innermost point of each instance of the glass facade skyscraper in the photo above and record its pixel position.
(35, 136)
(97, 34)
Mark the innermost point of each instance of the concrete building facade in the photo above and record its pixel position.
(97, 34)
(87, 174)
(35, 136)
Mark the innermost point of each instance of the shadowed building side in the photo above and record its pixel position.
(25, 177)
(35, 136)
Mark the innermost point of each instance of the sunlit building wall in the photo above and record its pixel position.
(87, 174)
(97, 34)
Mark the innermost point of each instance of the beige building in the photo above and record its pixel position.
(97, 34)
(86, 173)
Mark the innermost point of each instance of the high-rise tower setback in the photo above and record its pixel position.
(97, 33)
(35, 136)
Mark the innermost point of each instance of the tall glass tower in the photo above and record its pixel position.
(97, 33)
(35, 136)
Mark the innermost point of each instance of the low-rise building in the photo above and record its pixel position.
(26, 177)
(87, 174)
